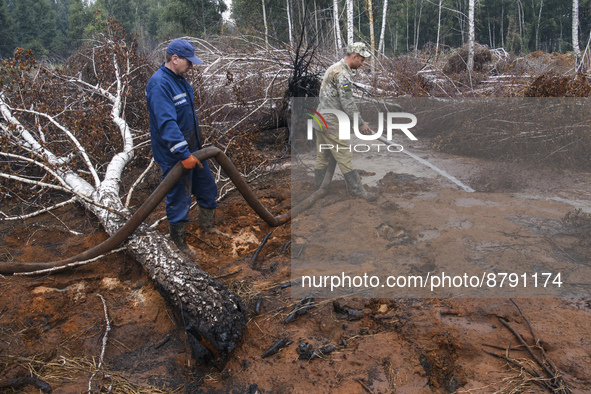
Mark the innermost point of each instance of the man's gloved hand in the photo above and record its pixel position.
(365, 130)
(190, 162)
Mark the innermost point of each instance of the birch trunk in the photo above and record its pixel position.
(575, 34)
(438, 28)
(266, 26)
(407, 30)
(381, 46)
(350, 35)
(289, 23)
(470, 64)
(337, 27)
(213, 316)
(372, 37)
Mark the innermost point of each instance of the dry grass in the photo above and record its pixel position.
(516, 380)
(552, 85)
(61, 370)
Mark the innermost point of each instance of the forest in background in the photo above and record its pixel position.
(54, 29)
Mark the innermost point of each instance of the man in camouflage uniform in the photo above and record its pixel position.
(336, 93)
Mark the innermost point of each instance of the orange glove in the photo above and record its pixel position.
(190, 162)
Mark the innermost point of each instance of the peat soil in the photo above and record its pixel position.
(53, 326)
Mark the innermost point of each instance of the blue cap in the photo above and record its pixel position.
(183, 48)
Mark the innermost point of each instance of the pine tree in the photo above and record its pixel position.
(78, 19)
(6, 31)
(194, 17)
(121, 10)
(36, 27)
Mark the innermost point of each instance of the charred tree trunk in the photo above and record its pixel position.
(213, 317)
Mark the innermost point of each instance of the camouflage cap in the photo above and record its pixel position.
(359, 48)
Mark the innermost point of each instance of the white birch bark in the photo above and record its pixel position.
(350, 35)
(372, 37)
(381, 46)
(575, 34)
(470, 64)
(337, 27)
(289, 23)
(265, 23)
(438, 28)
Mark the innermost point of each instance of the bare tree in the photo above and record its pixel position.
(407, 29)
(576, 48)
(265, 23)
(470, 63)
(288, 7)
(372, 37)
(337, 27)
(538, 25)
(438, 27)
(350, 22)
(381, 45)
(417, 24)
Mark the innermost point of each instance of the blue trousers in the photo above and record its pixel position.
(199, 182)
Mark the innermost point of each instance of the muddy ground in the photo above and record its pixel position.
(53, 326)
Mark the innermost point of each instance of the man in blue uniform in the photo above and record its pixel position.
(175, 133)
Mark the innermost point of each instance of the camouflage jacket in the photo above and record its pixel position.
(336, 92)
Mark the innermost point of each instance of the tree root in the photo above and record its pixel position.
(548, 377)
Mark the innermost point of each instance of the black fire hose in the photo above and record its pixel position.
(158, 195)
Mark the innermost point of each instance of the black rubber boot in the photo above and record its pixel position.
(178, 236)
(318, 177)
(356, 188)
(207, 218)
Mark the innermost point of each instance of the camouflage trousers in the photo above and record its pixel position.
(328, 144)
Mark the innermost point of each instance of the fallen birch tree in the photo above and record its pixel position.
(75, 134)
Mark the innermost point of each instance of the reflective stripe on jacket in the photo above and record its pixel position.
(174, 127)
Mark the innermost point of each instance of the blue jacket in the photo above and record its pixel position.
(174, 127)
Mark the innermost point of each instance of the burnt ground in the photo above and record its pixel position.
(52, 326)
